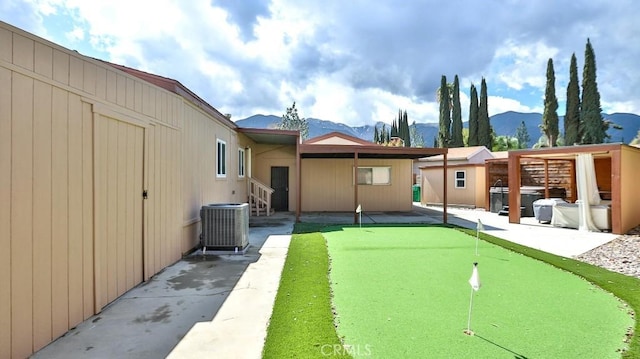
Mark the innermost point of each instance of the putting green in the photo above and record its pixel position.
(403, 292)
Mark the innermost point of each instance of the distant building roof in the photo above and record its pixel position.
(338, 138)
(459, 154)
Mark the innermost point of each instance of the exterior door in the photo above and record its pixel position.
(280, 184)
(118, 181)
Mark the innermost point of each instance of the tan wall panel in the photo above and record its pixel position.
(21, 211)
(395, 197)
(76, 72)
(89, 77)
(630, 201)
(87, 212)
(59, 186)
(5, 205)
(6, 45)
(60, 66)
(327, 185)
(138, 178)
(320, 173)
(23, 51)
(118, 205)
(480, 186)
(137, 97)
(101, 83)
(130, 99)
(432, 185)
(473, 195)
(42, 172)
(121, 212)
(43, 60)
(76, 310)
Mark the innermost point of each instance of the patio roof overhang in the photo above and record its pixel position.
(363, 151)
(271, 137)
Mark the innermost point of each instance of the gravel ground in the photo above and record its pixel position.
(621, 255)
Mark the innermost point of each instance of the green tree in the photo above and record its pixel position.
(484, 126)
(416, 137)
(594, 129)
(456, 125)
(505, 143)
(291, 121)
(444, 133)
(376, 135)
(473, 117)
(522, 135)
(572, 114)
(405, 129)
(394, 128)
(549, 124)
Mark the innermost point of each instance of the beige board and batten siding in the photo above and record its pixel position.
(471, 195)
(328, 185)
(202, 185)
(629, 199)
(79, 141)
(266, 156)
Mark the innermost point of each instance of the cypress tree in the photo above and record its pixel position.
(456, 125)
(394, 129)
(550, 115)
(484, 127)
(444, 134)
(572, 114)
(473, 117)
(593, 127)
(376, 136)
(522, 135)
(407, 132)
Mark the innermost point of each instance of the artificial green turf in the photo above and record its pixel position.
(301, 324)
(402, 292)
(624, 287)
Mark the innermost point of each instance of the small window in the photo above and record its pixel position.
(374, 175)
(241, 162)
(461, 179)
(221, 159)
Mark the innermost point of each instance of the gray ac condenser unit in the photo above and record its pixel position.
(225, 226)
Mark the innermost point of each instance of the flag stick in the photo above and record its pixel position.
(468, 331)
(477, 239)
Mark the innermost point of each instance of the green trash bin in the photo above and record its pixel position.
(416, 193)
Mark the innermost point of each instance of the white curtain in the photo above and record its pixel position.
(588, 193)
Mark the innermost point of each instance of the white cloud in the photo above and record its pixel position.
(354, 62)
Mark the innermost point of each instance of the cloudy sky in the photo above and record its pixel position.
(352, 61)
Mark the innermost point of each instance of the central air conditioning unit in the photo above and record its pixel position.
(225, 226)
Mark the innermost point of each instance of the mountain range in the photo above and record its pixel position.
(504, 124)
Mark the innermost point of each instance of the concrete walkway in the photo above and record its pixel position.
(219, 306)
(564, 242)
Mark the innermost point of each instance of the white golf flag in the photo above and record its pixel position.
(475, 278)
(359, 209)
(480, 227)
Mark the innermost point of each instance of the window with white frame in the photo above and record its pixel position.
(241, 162)
(374, 175)
(221, 158)
(461, 179)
